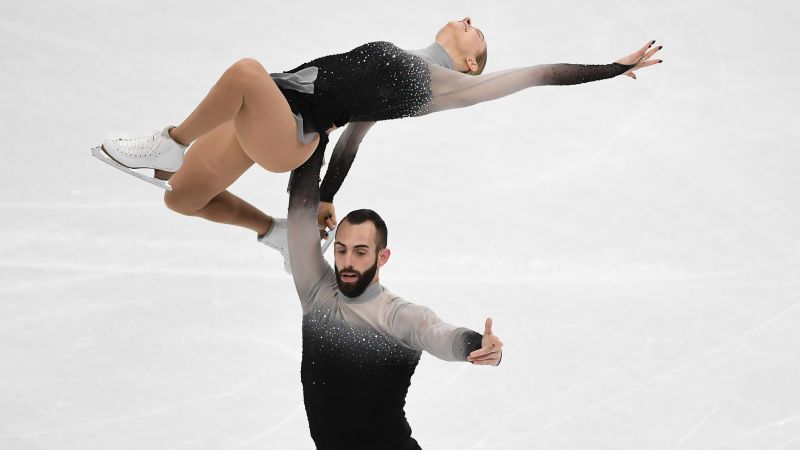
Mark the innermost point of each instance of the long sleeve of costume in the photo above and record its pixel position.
(342, 158)
(308, 265)
(380, 81)
(451, 89)
(419, 328)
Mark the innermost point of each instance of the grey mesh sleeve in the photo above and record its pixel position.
(308, 265)
(453, 89)
(419, 328)
(342, 158)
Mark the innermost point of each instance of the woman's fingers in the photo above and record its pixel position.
(652, 52)
(655, 61)
(632, 74)
(647, 63)
(641, 58)
(639, 54)
(635, 57)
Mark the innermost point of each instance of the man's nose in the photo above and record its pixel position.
(346, 263)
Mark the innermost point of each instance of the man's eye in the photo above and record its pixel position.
(361, 253)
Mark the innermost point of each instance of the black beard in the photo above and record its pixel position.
(356, 288)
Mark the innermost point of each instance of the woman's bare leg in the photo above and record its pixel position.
(264, 124)
(244, 119)
(212, 164)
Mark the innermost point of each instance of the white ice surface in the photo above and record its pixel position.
(636, 242)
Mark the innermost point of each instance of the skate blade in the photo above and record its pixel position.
(98, 153)
(331, 238)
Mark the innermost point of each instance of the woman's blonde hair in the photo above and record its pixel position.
(481, 60)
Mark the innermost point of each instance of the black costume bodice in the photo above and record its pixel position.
(375, 81)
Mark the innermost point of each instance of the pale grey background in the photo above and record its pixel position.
(636, 242)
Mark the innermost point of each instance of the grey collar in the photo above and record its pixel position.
(437, 54)
(372, 291)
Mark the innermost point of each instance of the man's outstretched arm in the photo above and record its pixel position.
(308, 265)
(420, 328)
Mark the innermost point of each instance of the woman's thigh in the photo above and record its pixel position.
(214, 161)
(266, 126)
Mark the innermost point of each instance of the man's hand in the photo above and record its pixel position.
(326, 217)
(640, 58)
(491, 351)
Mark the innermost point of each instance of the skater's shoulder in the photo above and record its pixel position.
(325, 289)
(395, 304)
(391, 298)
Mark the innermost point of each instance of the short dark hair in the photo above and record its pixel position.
(363, 215)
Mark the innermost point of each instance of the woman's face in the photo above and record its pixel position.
(464, 37)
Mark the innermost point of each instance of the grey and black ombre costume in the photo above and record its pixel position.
(379, 81)
(358, 353)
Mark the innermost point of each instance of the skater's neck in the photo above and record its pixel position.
(437, 54)
(373, 290)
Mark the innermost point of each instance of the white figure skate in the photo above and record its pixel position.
(158, 152)
(277, 238)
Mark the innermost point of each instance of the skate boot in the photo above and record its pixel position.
(158, 152)
(277, 238)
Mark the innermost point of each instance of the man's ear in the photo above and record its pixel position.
(383, 256)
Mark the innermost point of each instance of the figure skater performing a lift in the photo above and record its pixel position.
(361, 343)
(278, 120)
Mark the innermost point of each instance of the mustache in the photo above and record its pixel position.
(352, 282)
(349, 271)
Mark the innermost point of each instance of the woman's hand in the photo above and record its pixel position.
(326, 217)
(640, 58)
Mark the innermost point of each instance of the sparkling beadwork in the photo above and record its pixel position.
(375, 81)
(335, 350)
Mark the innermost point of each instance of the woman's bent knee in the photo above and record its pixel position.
(247, 67)
(242, 74)
(182, 203)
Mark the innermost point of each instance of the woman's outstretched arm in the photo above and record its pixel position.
(456, 90)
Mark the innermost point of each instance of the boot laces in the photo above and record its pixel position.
(141, 145)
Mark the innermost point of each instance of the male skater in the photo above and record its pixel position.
(361, 343)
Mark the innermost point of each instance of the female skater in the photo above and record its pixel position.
(278, 120)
